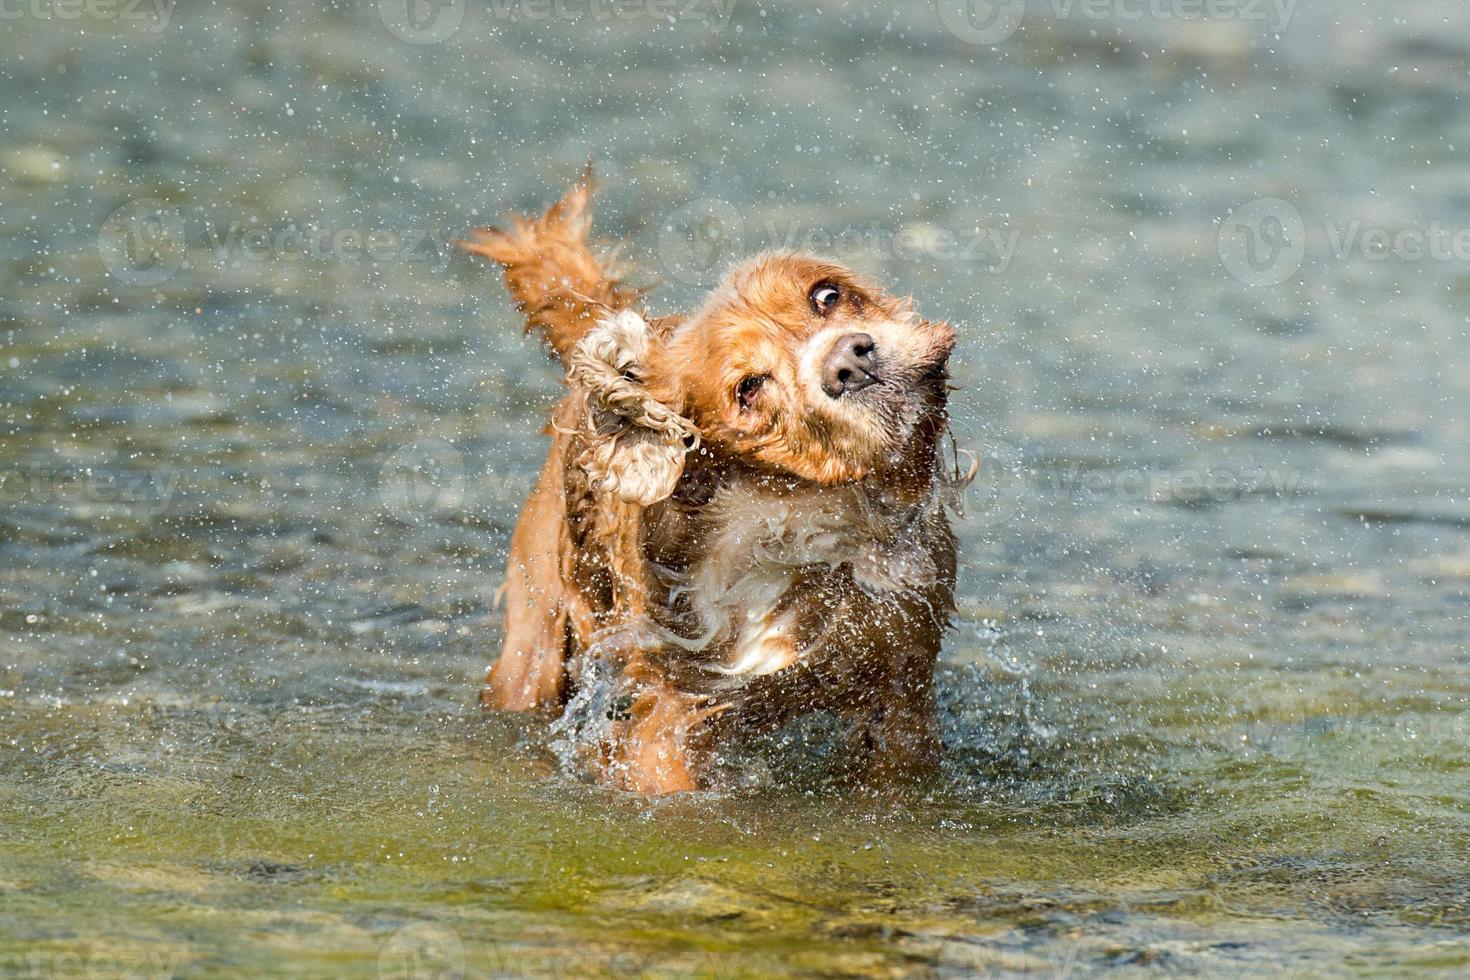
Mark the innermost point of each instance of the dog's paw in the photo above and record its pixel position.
(637, 465)
(635, 443)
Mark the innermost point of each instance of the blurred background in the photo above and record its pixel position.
(263, 436)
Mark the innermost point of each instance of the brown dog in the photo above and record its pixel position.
(742, 517)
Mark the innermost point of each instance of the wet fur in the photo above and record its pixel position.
(723, 568)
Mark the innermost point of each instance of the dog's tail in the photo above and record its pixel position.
(557, 280)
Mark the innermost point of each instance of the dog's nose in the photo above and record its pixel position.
(851, 365)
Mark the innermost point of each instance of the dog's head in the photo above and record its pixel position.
(793, 365)
(802, 366)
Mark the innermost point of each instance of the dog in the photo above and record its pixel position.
(742, 517)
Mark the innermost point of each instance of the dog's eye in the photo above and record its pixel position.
(824, 297)
(748, 388)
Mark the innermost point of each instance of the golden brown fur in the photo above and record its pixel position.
(555, 277)
(742, 516)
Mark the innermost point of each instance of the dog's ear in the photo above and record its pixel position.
(635, 443)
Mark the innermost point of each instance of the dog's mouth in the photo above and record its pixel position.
(885, 378)
(926, 382)
(936, 374)
(885, 415)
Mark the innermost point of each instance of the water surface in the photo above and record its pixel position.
(1206, 701)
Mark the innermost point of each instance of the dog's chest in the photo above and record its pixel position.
(751, 586)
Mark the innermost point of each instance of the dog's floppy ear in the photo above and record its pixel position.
(635, 443)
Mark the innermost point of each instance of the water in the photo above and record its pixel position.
(1206, 702)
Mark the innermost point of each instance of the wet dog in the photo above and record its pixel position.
(742, 517)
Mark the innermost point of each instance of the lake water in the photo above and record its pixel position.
(263, 438)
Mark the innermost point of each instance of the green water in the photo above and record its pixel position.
(1208, 702)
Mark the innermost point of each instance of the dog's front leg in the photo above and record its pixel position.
(653, 750)
(895, 718)
(898, 740)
